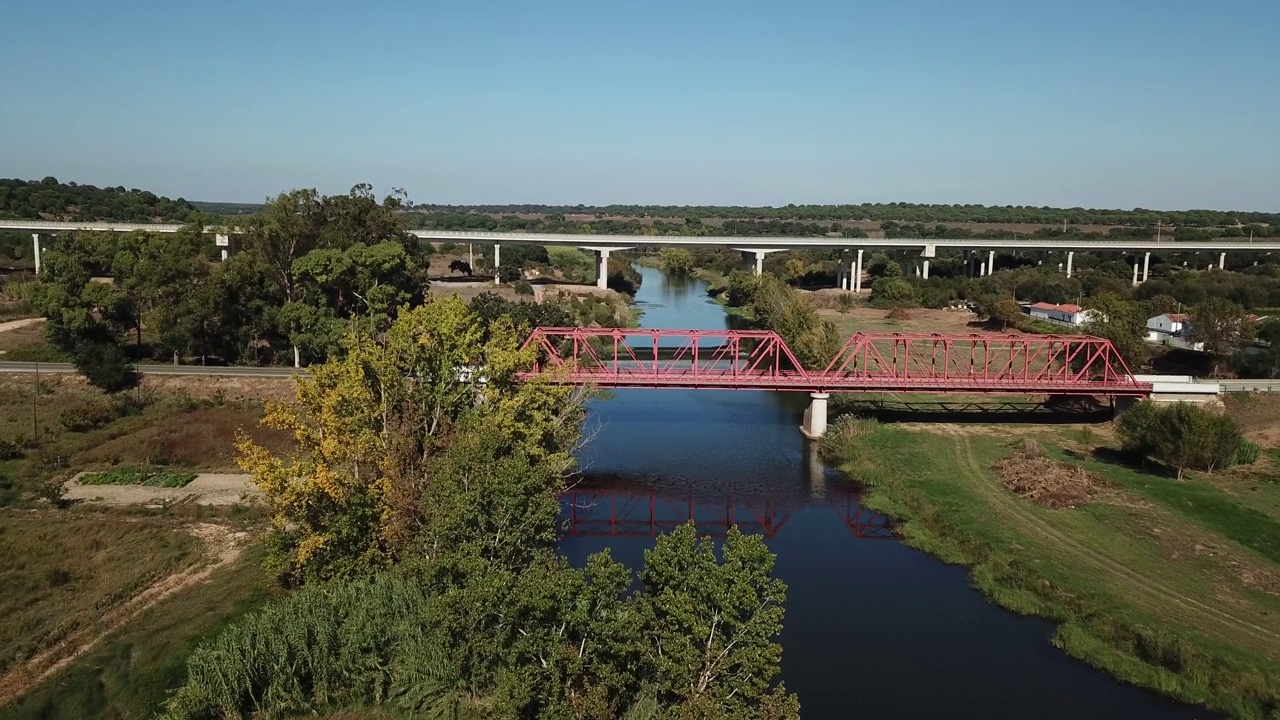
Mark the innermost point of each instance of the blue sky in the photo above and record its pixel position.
(1128, 103)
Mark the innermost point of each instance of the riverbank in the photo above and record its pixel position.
(1172, 586)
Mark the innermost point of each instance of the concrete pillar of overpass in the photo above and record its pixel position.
(35, 247)
(602, 269)
(1222, 261)
(223, 243)
(857, 273)
(1135, 273)
(759, 263)
(815, 416)
(497, 257)
(926, 270)
(1146, 266)
(991, 262)
(982, 269)
(1070, 256)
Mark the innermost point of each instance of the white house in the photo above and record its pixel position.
(1066, 314)
(1171, 329)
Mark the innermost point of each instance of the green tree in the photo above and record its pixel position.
(1183, 436)
(1005, 312)
(347, 500)
(676, 260)
(1222, 326)
(894, 292)
(105, 366)
(1122, 322)
(781, 308)
(710, 627)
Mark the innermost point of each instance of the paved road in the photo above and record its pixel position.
(158, 369)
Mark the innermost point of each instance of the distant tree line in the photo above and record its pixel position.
(896, 211)
(53, 200)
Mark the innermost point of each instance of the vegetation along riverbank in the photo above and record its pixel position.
(1169, 584)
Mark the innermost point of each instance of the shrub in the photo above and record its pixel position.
(1183, 436)
(523, 287)
(1247, 453)
(845, 301)
(10, 450)
(676, 260)
(106, 366)
(89, 412)
(891, 292)
(843, 441)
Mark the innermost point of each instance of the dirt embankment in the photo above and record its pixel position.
(222, 546)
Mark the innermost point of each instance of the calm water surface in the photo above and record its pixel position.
(873, 629)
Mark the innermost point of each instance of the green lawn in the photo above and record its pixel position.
(1173, 586)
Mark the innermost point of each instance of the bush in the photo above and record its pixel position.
(89, 412)
(676, 260)
(106, 366)
(742, 288)
(843, 441)
(1184, 437)
(10, 450)
(893, 292)
(845, 301)
(523, 287)
(1247, 453)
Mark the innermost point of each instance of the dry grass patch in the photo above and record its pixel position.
(63, 570)
(1032, 475)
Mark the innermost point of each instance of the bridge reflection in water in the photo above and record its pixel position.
(594, 511)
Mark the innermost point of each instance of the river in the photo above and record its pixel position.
(873, 628)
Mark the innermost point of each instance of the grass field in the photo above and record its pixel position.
(1170, 585)
(130, 672)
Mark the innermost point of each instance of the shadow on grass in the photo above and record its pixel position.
(1055, 411)
(1121, 459)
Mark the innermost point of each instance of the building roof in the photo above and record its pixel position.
(1178, 317)
(1064, 308)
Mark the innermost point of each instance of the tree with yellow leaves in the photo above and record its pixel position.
(350, 497)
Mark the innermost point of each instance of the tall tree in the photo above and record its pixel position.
(1121, 321)
(1222, 326)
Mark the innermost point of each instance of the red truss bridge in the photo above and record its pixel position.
(868, 362)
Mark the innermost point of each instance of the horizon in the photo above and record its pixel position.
(1146, 105)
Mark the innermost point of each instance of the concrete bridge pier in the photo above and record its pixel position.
(930, 251)
(35, 242)
(497, 260)
(759, 254)
(1146, 266)
(1135, 273)
(815, 416)
(223, 243)
(602, 262)
(857, 273)
(991, 262)
(1222, 261)
(1070, 256)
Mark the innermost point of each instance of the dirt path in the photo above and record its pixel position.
(1150, 590)
(222, 547)
(15, 324)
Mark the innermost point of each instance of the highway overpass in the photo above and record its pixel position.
(758, 247)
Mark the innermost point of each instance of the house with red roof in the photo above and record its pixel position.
(1064, 314)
